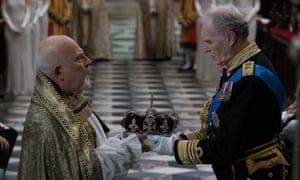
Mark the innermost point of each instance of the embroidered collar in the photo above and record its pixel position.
(71, 113)
(242, 56)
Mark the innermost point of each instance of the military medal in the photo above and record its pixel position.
(225, 91)
(215, 119)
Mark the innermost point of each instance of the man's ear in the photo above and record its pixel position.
(58, 72)
(231, 38)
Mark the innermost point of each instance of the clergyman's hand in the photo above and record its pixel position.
(142, 137)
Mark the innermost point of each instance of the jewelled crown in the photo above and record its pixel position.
(152, 122)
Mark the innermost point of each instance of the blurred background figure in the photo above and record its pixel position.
(290, 121)
(44, 18)
(187, 16)
(8, 137)
(81, 16)
(155, 34)
(91, 28)
(59, 16)
(206, 70)
(20, 73)
(221, 2)
(39, 25)
(295, 16)
(35, 28)
(250, 10)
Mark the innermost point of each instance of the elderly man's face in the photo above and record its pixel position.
(215, 44)
(75, 69)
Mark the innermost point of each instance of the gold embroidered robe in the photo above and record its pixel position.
(163, 45)
(55, 142)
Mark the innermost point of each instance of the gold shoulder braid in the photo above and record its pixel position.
(204, 118)
(201, 133)
(248, 68)
(244, 55)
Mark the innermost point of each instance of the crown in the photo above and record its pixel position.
(152, 122)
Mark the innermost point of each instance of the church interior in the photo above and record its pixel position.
(123, 81)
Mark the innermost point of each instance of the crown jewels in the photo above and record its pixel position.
(152, 122)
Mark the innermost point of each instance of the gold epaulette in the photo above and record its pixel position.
(248, 68)
(189, 152)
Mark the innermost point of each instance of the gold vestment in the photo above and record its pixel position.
(56, 143)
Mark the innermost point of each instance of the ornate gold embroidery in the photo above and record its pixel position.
(266, 155)
(255, 163)
(62, 107)
(249, 51)
(189, 152)
(89, 132)
(204, 118)
(82, 111)
(248, 69)
(193, 135)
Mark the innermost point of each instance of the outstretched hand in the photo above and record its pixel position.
(142, 137)
(160, 144)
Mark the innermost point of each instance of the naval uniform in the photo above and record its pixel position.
(240, 123)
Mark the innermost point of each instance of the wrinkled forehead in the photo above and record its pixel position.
(70, 48)
(208, 27)
(71, 54)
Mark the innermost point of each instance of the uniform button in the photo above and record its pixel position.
(270, 174)
(207, 137)
(213, 136)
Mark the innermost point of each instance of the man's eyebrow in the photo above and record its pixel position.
(80, 55)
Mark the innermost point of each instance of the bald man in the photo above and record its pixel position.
(63, 138)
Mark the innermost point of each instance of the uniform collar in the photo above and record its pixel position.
(242, 56)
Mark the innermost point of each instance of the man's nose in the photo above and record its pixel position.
(87, 61)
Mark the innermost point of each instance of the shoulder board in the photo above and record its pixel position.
(248, 68)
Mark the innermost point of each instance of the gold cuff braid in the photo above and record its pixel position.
(193, 135)
(189, 152)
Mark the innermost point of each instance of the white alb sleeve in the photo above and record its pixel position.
(118, 156)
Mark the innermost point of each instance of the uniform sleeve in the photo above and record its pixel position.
(251, 104)
(188, 152)
(194, 135)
